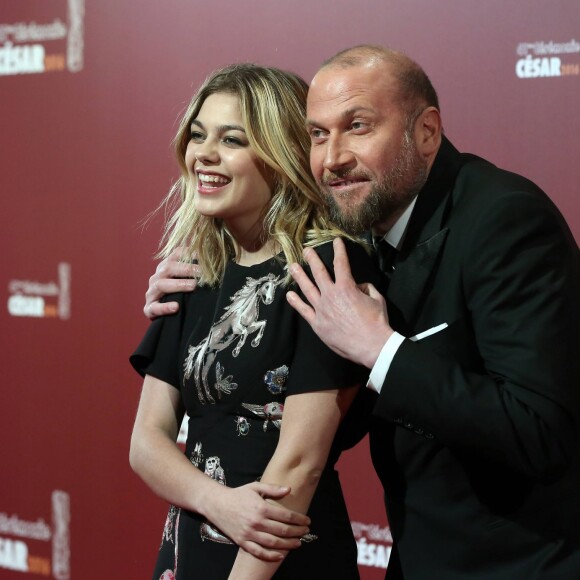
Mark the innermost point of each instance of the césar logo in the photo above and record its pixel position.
(41, 300)
(38, 537)
(544, 59)
(374, 544)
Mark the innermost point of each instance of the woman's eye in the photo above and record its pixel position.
(196, 136)
(233, 141)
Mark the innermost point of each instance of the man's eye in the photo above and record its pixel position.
(316, 134)
(358, 126)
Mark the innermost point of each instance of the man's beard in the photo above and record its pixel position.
(395, 190)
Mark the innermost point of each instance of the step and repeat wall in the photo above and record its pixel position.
(90, 91)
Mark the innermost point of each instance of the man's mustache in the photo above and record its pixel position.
(347, 174)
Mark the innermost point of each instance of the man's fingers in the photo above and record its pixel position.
(301, 307)
(342, 271)
(319, 272)
(153, 308)
(177, 254)
(308, 287)
(370, 290)
(309, 290)
(156, 309)
(373, 292)
(172, 269)
(171, 285)
(159, 288)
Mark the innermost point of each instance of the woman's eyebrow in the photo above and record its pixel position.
(221, 128)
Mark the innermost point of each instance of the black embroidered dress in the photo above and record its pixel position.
(235, 353)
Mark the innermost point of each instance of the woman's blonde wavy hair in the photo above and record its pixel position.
(272, 104)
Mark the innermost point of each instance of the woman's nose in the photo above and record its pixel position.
(207, 152)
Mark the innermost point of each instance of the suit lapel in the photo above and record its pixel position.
(424, 240)
(412, 274)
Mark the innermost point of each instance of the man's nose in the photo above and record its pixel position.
(337, 155)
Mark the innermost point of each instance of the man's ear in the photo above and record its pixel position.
(428, 130)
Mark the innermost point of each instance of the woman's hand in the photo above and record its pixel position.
(262, 528)
(243, 513)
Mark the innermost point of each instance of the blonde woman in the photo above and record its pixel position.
(264, 396)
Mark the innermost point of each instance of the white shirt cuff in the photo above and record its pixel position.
(384, 360)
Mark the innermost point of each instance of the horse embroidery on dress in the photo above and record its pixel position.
(239, 320)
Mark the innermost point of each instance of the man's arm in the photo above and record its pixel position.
(170, 276)
(520, 406)
(501, 383)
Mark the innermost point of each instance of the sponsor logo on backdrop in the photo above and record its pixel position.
(374, 544)
(41, 47)
(41, 299)
(548, 59)
(25, 546)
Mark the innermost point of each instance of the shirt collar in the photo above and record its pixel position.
(396, 235)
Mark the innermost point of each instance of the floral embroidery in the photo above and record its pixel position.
(223, 385)
(276, 379)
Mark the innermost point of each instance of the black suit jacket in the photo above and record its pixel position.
(475, 433)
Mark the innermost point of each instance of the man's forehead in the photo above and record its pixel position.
(348, 90)
(334, 82)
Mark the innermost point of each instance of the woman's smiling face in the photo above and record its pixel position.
(231, 181)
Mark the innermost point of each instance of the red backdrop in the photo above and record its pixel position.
(89, 96)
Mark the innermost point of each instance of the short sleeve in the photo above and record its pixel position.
(315, 367)
(158, 352)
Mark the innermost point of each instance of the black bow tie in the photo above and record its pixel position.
(386, 255)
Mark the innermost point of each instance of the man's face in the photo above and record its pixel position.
(363, 156)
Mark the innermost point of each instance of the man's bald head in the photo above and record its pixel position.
(413, 89)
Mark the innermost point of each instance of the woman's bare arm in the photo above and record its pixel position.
(241, 513)
(308, 428)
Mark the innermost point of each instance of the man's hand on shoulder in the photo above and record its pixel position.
(349, 318)
(170, 276)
